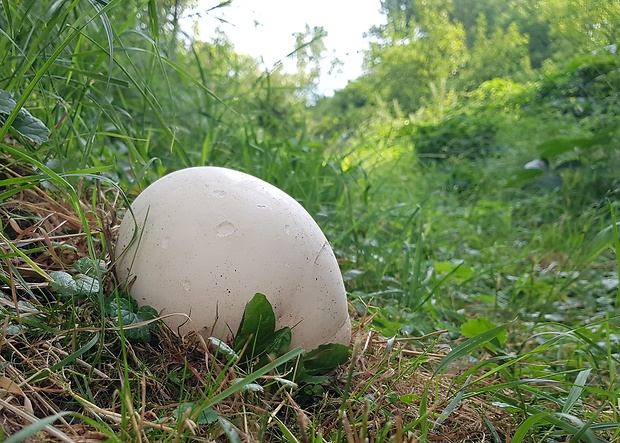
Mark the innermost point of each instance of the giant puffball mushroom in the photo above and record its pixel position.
(206, 239)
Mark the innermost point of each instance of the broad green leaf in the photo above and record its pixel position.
(279, 344)
(86, 285)
(131, 314)
(480, 325)
(66, 285)
(257, 326)
(409, 398)
(13, 330)
(205, 417)
(252, 387)
(325, 358)
(457, 271)
(314, 388)
(7, 104)
(89, 267)
(31, 127)
(63, 284)
(556, 146)
(25, 123)
(286, 382)
(305, 378)
(351, 274)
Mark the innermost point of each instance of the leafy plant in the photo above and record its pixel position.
(25, 124)
(205, 416)
(125, 312)
(261, 342)
(67, 285)
(257, 331)
(86, 282)
(458, 135)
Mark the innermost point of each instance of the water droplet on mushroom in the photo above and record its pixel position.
(262, 206)
(165, 242)
(218, 193)
(225, 229)
(287, 229)
(187, 286)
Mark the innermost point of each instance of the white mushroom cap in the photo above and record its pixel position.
(210, 238)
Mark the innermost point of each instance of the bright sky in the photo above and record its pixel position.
(264, 28)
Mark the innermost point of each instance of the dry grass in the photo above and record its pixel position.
(44, 373)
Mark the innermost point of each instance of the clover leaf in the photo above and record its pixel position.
(66, 285)
(129, 313)
(92, 268)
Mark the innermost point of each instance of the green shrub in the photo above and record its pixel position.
(458, 135)
(587, 86)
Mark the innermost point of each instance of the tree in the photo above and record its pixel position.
(468, 13)
(526, 14)
(581, 26)
(309, 48)
(420, 46)
(502, 55)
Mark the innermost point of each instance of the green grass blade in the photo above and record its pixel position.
(43, 70)
(526, 426)
(107, 26)
(468, 346)
(576, 390)
(39, 425)
(24, 257)
(616, 243)
(576, 427)
(153, 19)
(453, 404)
(229, 430)
(9, 18)
(253, 377)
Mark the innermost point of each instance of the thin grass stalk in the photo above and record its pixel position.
(46, 66)
(44, 424)
(616, 247)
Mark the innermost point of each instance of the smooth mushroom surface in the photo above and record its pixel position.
(206, 239)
